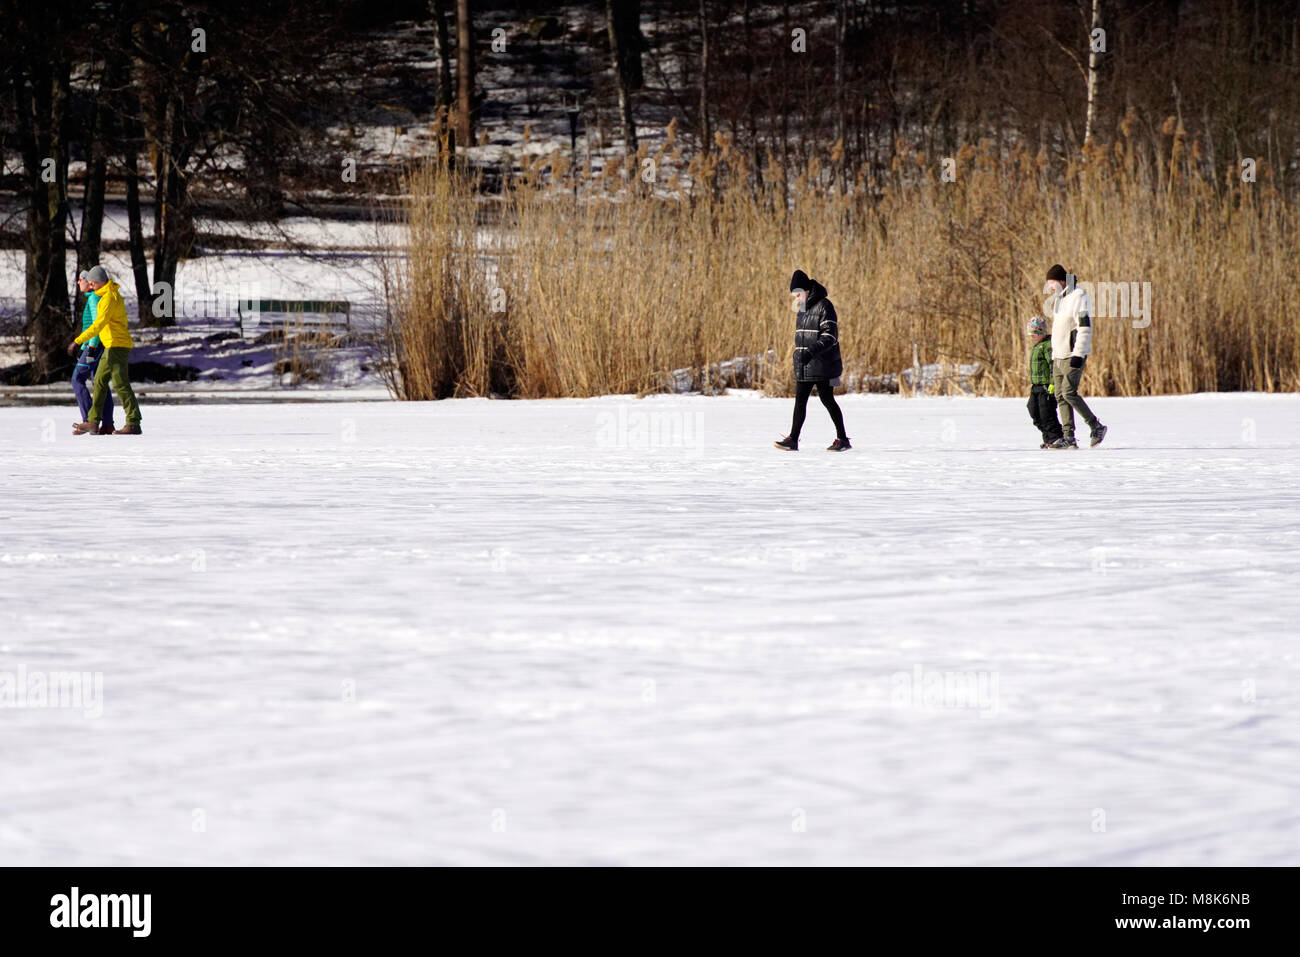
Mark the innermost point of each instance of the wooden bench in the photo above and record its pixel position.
(261, 315)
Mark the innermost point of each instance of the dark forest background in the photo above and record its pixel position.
(244, 108)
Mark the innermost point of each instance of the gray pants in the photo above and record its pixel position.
(1065, 382)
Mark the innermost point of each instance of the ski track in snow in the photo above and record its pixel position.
(502, 632)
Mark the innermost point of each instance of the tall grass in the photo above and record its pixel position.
(609, 292)
(441, 335)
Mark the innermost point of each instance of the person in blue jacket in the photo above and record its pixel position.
(84, 371)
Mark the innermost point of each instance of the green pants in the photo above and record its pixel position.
(113, 366)
(1065, 382)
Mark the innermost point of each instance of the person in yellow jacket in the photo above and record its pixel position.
(110, 326)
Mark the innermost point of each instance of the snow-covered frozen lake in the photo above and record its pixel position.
(632, 632)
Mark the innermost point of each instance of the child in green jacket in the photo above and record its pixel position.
(1042, 403)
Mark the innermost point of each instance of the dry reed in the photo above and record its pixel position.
(536, 294)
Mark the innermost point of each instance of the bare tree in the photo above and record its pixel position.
(464, 74)
(172, 71)
(623, 18)
(101, 134)
(135, 232)
(841, 123)
(41, 42)
(706, 138)
(442, 42)
(1093, 52)
(841, 34)
(198, 84)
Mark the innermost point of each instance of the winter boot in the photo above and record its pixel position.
(788, 444)
(1098, 434)
(839, 445)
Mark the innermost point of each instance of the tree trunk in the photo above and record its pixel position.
(841, 34)
(446, 130)
(158, 152)
(162, 215)
(623, 19)
(41, 109)
(706, 138)
(135, 232)
(132, 142)
(785, 117)
(169, 246)
(173, 222)
(464, 75)
(92, 205)
(1093, 57)
(754, 138)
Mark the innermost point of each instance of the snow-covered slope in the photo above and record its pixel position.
(620, 631)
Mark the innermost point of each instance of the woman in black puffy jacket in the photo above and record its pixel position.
(816, 359)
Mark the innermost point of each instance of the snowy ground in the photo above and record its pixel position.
(620, 631)
(305, 258)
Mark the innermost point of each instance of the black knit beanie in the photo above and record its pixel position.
(800, 280)
(1057, 272)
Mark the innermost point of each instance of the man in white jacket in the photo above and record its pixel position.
(1071, 310)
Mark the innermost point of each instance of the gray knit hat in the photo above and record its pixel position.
(97, 274)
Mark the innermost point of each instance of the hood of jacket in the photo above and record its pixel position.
(816, 293)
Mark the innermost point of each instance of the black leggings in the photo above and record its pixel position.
(825, 392)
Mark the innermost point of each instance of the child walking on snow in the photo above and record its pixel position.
(1042, 401)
